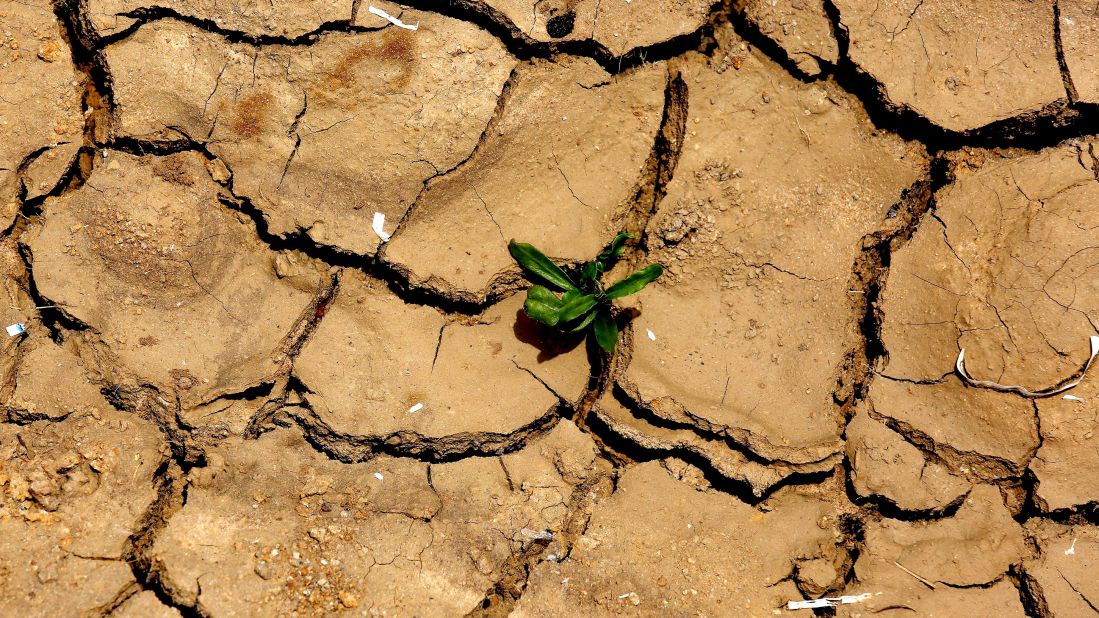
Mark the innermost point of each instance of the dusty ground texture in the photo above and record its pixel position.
(234, 398)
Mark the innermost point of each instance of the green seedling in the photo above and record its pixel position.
(574, 299)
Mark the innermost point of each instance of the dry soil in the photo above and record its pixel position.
(234, 398)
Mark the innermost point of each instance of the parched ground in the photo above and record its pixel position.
(235, 398)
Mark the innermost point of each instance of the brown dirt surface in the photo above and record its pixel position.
(300, 131)
(961, 65)
(618, 28)
(800, 27)
(73, 494)
(581, 140)
(40, 115)
(722, 554)
(1078, 23)
(125, 265)
(234, 397)
(273, 18)
(305, 533)
(375, 357)
(729, 231)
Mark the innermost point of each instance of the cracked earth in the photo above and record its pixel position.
(233, 398)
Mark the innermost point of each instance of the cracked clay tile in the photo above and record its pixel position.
(960, 64)
(757, 258)
(319, 137)
(571, 140)
(922, 336)
(704, 552)
(555, 20)
(1065, 464)
(800, 27)
(71, 495)
(1079, 24)
(40, 116)
(374, 357)
(726, 460)
(903, 595)
(305, 533)
(16, 307)
(621, 27)
(965, 557)
(144, 604)
(1001, 271)
(1064, 575)
(126, 263)
(286, 18)
(50, 384)
(979, 433)
(884, 465)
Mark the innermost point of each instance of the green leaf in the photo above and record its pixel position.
(591, 271)
(606, 331)
(535, 262)
(635, 282)
(576, 307)
(613, 251)
(584, 323)
(543, 305)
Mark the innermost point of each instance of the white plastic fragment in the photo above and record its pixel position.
(652, 335)
(1071, 548)
(959, 366)
(16, 329)
(393, 20)
(1072, 398)
(379, 226)
(828, 601)
(416, 408)
(378, 475)
(537, 534)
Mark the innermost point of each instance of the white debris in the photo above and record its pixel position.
(16, 329)
(378, 475)
(416, 408)
(652, 335)
(536, 534)
(632, 596)
(1072, 398)
(379, 225)
(959, 366)
(828, 601)
(393, 20)
(1071, 548)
